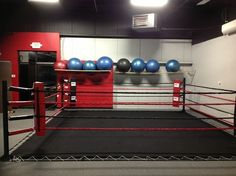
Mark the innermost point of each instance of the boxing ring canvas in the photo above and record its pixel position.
(121, 144)
(71, 133)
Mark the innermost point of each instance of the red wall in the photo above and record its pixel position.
(21, 41)
(93, 90)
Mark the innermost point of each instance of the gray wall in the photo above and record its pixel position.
(93, 48)
(161, 50)
(214, 66)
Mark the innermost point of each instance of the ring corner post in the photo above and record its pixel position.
(6, 155)
(39, 108)
(184, 94)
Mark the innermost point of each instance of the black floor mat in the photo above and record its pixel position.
(128, 143)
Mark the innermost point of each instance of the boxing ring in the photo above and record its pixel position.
(115, 134)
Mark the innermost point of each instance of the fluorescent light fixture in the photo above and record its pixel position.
(203, 2)
(229, 28)
(149, 3)
(44, 1)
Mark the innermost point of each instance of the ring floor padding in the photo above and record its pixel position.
(127, 143)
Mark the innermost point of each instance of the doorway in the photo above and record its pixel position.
(36, 66)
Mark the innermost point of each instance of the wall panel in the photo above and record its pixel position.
(117, 48)
(162, 50)
(214, 66)
(128, 48)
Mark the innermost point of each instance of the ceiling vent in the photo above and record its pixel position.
(144, 21)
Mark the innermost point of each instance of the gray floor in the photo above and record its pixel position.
(103, 168)
(116, 168)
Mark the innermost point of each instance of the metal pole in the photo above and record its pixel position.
(184, 93)
(37, 111)
(6, 155)
(62, 94)
(235, 116)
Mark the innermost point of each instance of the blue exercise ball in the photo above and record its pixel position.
(89, 65)
(74, 64)
(152, 66)
(138, 65)
(172, 65)
(104, 63)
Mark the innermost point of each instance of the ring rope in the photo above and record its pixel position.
(117, 83)
(213, 88)
(169, 103)
(135, 96)
(119, 92)
(210, 96)
(137, 118)
(220, 110)
(125, 88)
(112, 92)
(138, 129)
(15, 88)
(213, 117)
(21, 131)
(17, 145)
(20, 89)
(21, 117)
(57, 112)
(142, 103)
(55, 94)
(20, 103)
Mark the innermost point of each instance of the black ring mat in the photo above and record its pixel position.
(128, 143)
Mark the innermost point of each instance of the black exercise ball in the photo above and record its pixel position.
(123, 65)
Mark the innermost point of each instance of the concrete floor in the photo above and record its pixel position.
(118, 168)
(111, 168)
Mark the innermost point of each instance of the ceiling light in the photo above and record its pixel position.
(45, 1)
(149, 3)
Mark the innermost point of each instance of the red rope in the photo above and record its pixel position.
(215, 97)
(55, 94)
(21, 131)
(20, 103)
(169, 103)
(58, 111)
(55, 114)
(212, 117)
(138, 129)
(141, 103)
(127, 88)
(212, 88)
(51, 102)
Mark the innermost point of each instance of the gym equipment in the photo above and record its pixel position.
(152, 66)
(123, 65)
(60, 65)
(172, 65)
(138, 65)
(104, 63)
(89, 65)
(74, 64)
